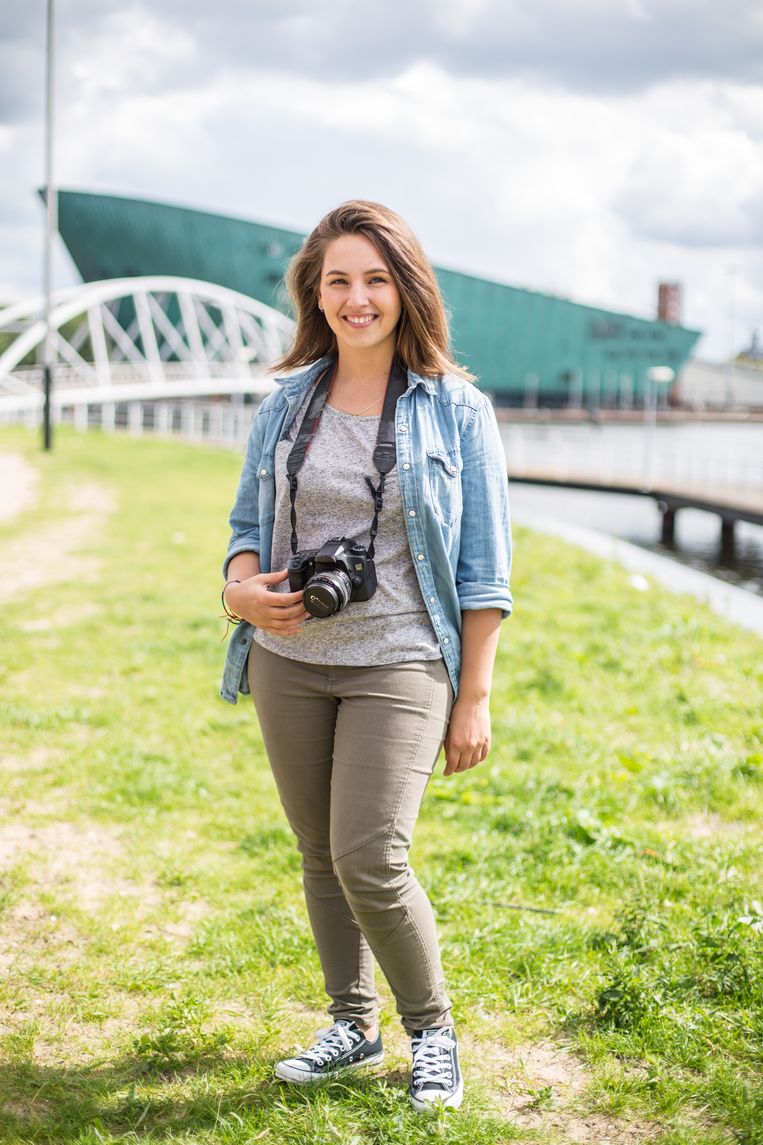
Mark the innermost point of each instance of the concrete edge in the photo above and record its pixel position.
(736, 605)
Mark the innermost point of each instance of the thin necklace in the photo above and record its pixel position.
(341, 409)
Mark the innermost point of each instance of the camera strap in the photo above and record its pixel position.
(385, 452)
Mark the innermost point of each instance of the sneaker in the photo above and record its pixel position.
(341, 1048)
(436, 1075)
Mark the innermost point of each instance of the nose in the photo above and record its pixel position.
(358, 295)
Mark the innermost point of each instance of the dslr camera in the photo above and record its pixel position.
(339, 572)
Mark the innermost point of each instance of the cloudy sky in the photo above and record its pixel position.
(588, 148)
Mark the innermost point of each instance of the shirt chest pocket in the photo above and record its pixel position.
(444, 483)
(267, 489)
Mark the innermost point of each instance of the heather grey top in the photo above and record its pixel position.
(334, 500)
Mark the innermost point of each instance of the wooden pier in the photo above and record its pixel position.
(729, 504)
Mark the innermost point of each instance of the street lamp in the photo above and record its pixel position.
(656, 376)
(51, 214)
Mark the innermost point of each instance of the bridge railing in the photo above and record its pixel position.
(125, 373)
(635, 459)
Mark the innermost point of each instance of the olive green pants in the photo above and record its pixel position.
(352, 750)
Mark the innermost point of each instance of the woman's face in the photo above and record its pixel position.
(360, 300)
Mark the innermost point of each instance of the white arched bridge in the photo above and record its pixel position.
(146, 339)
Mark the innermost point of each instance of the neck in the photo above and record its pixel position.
(364, 371)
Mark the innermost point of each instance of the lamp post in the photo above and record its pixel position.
(51, 214)
(731, 367)
(656, 376)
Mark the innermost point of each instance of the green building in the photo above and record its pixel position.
(525, 347)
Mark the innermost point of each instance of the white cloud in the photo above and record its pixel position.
(533, 182)
(123, 54)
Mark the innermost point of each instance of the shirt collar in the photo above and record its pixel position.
(295, 383)
(429, 384)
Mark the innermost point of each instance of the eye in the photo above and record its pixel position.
(377, 278)
(337, 282)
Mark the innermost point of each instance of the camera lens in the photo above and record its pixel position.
(327, 593)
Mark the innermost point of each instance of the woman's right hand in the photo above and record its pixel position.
(280, 613)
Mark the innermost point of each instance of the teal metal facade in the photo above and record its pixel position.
(525, 347)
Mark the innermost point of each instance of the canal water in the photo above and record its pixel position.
(730, 454)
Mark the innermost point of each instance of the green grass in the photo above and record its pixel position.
(596, 881)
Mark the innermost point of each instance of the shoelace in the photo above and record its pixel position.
(432, 1060)
(331, 1043)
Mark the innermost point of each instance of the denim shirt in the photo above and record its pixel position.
(452, 475)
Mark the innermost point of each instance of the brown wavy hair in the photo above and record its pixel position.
(423, 340)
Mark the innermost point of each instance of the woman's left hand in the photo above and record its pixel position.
(468, 740)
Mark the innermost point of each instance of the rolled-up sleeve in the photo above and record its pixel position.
(484, 560)
(244, 517)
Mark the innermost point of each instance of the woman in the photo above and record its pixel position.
(364, 660)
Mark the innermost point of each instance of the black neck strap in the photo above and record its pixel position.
(385, 453)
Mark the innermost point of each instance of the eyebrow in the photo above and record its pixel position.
(375, 270)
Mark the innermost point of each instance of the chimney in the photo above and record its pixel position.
(669, 303)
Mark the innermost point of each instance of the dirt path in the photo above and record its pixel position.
(18, 486)
(56, 551)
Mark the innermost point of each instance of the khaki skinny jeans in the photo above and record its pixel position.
(352, 750)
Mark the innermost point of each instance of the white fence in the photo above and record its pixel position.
(693, 458)
(212, 422)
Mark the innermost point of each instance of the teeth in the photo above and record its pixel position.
(363, 321)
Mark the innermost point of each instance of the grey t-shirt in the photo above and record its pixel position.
(334, 500)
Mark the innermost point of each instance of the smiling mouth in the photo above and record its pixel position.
(359, 322)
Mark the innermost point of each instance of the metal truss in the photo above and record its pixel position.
(141, 338)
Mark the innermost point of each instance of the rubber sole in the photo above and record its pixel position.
(451, 1102)
(286, 1072)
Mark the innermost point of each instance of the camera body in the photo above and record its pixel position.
(336, 574)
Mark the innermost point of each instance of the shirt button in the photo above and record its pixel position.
(420, 556)
(263, 473)
(411, 512)
(446, 641)
(431, 600)
(403, 427)
(406, 465)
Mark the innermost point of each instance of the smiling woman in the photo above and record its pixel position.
(421, 336)
(361, 305)
(364, 658)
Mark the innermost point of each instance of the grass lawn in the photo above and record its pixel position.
(597, 880)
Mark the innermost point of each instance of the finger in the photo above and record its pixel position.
(285, 600)
(285, 604)
(279, 623)
(453, 755)
(468, 757)
(452, 759)
(273, 577)
(479, 755)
